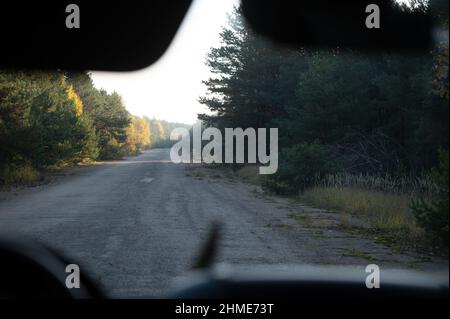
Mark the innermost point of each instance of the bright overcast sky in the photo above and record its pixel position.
(170, 88)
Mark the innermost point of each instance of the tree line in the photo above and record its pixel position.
(59, 118)
(337, 110)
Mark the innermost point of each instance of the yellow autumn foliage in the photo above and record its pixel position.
(75, 98)
(138, 134)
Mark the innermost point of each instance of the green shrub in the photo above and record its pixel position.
(113, 150)
(300, 167)
(432, 213)
(18, 174)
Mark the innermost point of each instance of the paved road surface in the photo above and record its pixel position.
(136, 224)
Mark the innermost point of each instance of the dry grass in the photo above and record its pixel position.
(249, 174)
(18, 175)
(389, 215)
(386, 184)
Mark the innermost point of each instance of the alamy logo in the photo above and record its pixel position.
(73, 279)
(73, 19)
(373, 279)
(373, 19)
(213, 151)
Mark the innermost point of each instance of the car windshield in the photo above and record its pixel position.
(301, 155)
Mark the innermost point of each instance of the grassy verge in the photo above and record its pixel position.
(389, 215)
(249, 174)
(245, 173)
(18, 176)
(23, 175)
(383, 205)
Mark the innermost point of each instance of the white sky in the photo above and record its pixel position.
(169, 89)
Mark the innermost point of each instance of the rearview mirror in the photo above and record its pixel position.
(87, 34)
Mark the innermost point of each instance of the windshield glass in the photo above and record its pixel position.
(302, 156)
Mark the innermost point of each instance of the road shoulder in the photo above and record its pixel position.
(344, 239)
